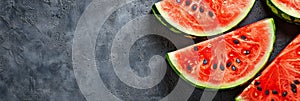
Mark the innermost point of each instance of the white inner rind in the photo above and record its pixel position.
(211, 32)
(239, 81)
(286, 9)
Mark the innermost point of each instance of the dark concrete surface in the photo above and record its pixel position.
(36, 48)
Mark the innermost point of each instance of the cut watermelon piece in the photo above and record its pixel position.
(202, 17)
(280, 80)
(289, 10)
(228, 60)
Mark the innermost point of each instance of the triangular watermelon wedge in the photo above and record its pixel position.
(280, 81)
(228, 60)
(201, 17)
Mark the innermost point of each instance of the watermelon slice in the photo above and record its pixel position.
(228, 60)
(280, 80)
(202, 17)
(289, 10)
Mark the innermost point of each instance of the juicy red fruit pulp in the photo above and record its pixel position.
(204, 15)
(230, 54)
(294, 4)
(227, 58)
(280, 81)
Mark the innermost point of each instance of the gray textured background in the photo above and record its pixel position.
(35, 50)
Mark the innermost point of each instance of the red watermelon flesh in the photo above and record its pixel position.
(289, 7)
(280, 80)
(204, 17)
(292, 4)
(228, 60)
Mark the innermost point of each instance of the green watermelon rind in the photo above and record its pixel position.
(180, 74)
(161, 16)
(282, 13)
(171, 59)
(238, 98)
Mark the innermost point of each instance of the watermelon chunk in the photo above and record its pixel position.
(228, 60)
(202, 17)
(280, 80)
(289, 10)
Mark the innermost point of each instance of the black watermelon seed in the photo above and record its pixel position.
(284, 93)
(228, 64)
(215, 66)
(274, 92)
(194, 7)
(222, 67)
(258, 74)
(178, 1)
(294, 90)
(293, 86)
(233, 68)
(243, 37)
(195, 48)
(296, 82)
(187, 2)
(267, 92)
(272, 100)
(189, 67)
(259, 88)
(247, 52)
(256, 83)
(205, 62)
(238, 60)
(201, 9)
(210, 14)
(236, 41)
